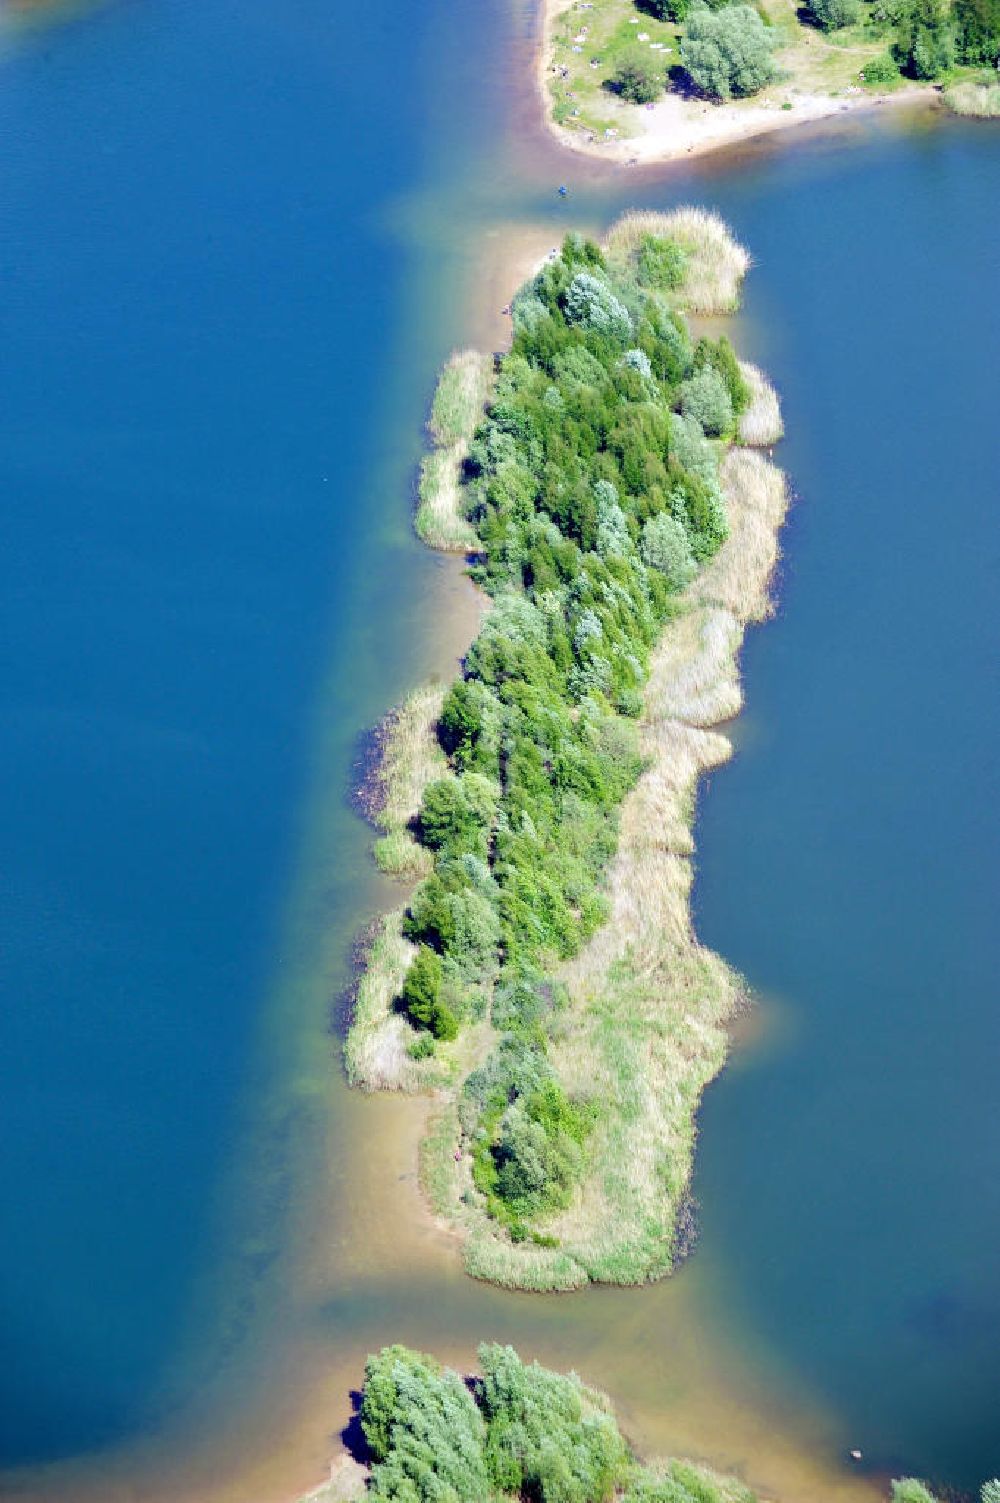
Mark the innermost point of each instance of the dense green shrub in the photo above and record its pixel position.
(881, 69)
(589, 301)
(910, 1490)
(832, 14)
(727, 53)
(422, 1001)
(665, 546)
(543, 1440)
(705, 398)
(662, 264)
(636, 80)
(424, 1431)
(977, 31)
(521, 1431)
(720, 356)
(923, 40)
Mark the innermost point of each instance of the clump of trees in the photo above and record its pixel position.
(923, 46)
(592, 484)
(519, 1431)
(727, 52)
(977, 32)
(636, 79)
(831, 15)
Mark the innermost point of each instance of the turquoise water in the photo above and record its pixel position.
(233, 258)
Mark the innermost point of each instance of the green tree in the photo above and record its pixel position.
(923, 42)
(727, 53)
(545, 1439)
(705, 397)
(832, 14)
(636, 80)
(661, 263)
(424, 1431)
(421, 997)
(665, 546)
(990, 1491)
(977, 31)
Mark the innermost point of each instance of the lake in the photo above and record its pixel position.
(237, 242)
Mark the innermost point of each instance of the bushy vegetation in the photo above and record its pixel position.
(594, 493)
(881, 70)
(728, 52)
(518, 1431)
(977, 32)
(424, 1431)
(636, 79)
(923, 46)
(521, 1431)
(831, 15)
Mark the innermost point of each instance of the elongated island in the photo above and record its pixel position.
(543, 980)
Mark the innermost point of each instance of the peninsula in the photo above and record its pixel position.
(655, 80)
(543, 981)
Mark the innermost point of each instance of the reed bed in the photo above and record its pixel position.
(761, 423)
(717, 262)
(693, 674)
(737, 579)
(410, 758)
(375, 1052)
(462, 389)
(979, 100)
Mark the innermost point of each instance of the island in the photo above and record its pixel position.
(608, 479)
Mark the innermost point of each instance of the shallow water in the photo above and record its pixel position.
(233, 260)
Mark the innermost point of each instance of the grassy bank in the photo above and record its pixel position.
(510, 1433)
(544, 978)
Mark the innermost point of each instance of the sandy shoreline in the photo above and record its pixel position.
(677, 129)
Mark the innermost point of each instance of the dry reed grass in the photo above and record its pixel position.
(737, 579)
(693, 674)
(717, 263)
(978, 100)
(375, 1050)
(463, 387)
(761, 423)
(411, 757)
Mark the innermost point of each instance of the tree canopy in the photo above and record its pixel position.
(727, 53)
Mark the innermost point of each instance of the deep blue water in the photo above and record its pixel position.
(198, 316)
(227, 242)
(849, 859)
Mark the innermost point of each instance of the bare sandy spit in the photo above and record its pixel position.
(676, 129)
